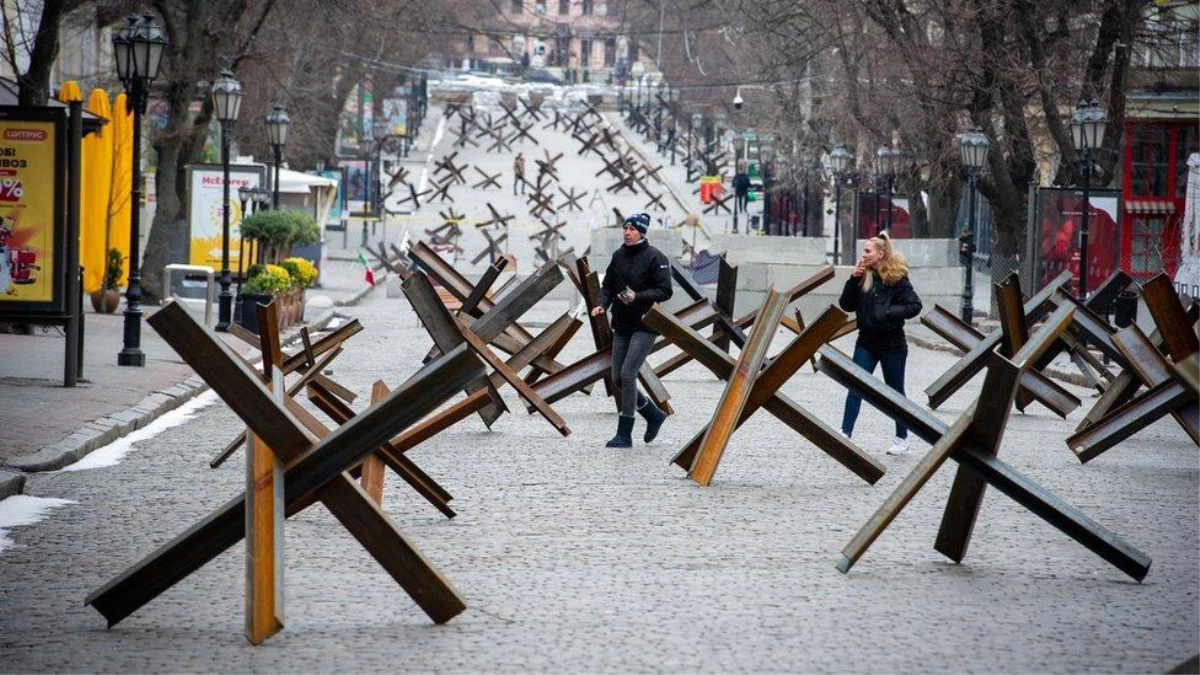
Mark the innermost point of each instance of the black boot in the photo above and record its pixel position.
(624, 437)
(654, 419)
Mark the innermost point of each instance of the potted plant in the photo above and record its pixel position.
(303, 274)
(263, 284)
(278, 231)
(107, 298)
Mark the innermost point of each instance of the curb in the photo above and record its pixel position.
(102, 431)
(11, 483)
(360, 294)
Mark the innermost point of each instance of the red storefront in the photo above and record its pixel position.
(1153, 187)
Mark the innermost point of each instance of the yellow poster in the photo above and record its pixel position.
(27, 213)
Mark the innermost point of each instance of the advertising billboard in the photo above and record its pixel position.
(206, 210)
(32, 215)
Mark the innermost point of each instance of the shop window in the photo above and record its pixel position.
(1145, 246)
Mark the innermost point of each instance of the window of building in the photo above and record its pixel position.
(518, 6)
(610, 52)
(1148, 169)
(633, 51)
(585, 53)
(1187, 141)
(588, 7)
(564, 7)
(1145, 246)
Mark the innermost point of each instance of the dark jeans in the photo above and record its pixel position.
(629, 352)
(893, 375)
(740, 200)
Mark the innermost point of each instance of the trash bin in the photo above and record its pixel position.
(1125, 308)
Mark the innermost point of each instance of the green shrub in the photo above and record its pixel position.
(114, 268)
(272, 280)
(278, 229)
(301, 270)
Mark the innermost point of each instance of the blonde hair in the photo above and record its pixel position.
(892, 265)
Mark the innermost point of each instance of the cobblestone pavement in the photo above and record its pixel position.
(580, 175)
(577, 558)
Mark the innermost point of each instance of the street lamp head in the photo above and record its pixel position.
(974, 146)
(244, 193)
(278, 122)
(227, 97)
(883, 159)
(1087, 126)
(840, 159)
(148, 44)
(122, 42)
(738, 101)
(697, 119)
(889, 159)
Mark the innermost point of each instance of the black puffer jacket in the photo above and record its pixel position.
(645, 270)
(881, 312)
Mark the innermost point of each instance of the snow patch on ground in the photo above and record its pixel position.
(113, 453)
(22, 511)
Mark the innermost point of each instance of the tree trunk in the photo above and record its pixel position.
(34, 83)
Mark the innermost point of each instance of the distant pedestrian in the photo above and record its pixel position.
(882, 298)
(741, 189)
(638, 276)
(519, 173)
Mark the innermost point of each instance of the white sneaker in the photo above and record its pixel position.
(843, 434)
(899, 446)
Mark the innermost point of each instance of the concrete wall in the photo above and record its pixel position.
(783, 262)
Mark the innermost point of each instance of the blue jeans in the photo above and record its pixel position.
(893, 375)
(629, 352)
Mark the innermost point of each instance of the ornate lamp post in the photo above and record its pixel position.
(767, 153)
(674, 129)
(246, 197)
(278, 124)
(138, 49)
(227, 103)
(889, 161)
(1087, 133)
(974, 146)
(839, 160)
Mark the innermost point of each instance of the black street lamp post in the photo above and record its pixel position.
(227, 103)
(974, 146)
(278, 124)
(890, 159)
(138, 49)
(1087, 133)
(246, 197)
(840, 159)
(767, 154)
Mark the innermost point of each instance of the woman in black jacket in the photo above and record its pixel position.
(638, 276)
(882, 298)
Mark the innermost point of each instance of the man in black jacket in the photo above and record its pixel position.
(741, 189)
(638, 276)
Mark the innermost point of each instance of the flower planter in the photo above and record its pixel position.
(289, 309)
(105, 301)
(248, 318)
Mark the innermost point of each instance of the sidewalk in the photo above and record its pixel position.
(45, 426)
